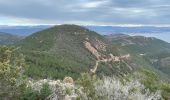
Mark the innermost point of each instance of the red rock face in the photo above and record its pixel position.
(100, 57)
(92, 49)
(100, 45)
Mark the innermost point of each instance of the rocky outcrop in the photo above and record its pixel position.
(68, 80)
(101, 57)
(100, 45)
(92, 49)
(165, 61)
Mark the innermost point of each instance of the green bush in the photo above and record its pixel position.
(87, 82)
(45, 91)
(152, 82)
(30, 94)
(165, 87)
(42, 94)
(12, 80)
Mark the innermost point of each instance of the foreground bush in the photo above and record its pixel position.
(12, 82)
(115, 89)
(107, 88)
(90, 87)
(152, 82)
(37, 94)
(112, 88)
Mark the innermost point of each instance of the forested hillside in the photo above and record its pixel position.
(70, 50)
(6, 38)
(152, 51)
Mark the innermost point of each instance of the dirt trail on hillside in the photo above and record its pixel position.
(100, 59)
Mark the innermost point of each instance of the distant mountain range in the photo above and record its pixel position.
(27, 30)
(22, 30)
(7, 39)
(162, 33)
(118, 29)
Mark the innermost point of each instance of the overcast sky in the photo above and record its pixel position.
(98, 12)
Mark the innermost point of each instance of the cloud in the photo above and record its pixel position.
(85, 11)
(93, 4)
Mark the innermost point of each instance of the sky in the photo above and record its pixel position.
(85, 12)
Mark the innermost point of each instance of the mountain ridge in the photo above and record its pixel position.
(71, 48)
(152, 51)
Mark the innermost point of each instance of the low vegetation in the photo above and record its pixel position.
(143, 84)
(91, 87)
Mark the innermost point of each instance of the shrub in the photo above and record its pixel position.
(12, 80)
(113, 89)
(33, 94)
(116, 88)
(152, 82)
(165, 91)
(30, 94)
(87, 82)
(89, 87)
(45, 91)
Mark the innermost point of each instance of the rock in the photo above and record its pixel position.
(92, 49)
(68, 80)
(67, 97)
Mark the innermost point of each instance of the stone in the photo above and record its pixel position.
(68, 80)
